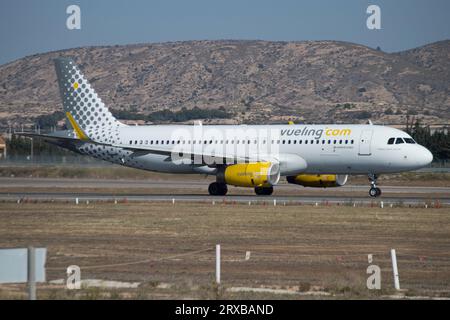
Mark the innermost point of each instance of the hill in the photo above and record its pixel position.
(255, 81)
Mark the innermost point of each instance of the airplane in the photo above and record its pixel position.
(252, 156)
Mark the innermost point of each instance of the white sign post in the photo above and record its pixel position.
(31, 273)
(218, 263)
(395, 269)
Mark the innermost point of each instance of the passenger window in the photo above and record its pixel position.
(391, 140)
(317, 141)
(131, 141)
(306, 141)
(353, 141)
(399, 141)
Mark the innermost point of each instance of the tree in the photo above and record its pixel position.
(437, 142)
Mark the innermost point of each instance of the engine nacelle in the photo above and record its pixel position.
(319, 180)
(257, 174)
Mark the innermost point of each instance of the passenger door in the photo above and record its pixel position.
(365, 142)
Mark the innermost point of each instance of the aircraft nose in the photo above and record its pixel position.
(426, 157)
(429, 157)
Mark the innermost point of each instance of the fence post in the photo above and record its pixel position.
(31, 276)
(395, 269)
(218, 263)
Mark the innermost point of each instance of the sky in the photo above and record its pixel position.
(37, 26)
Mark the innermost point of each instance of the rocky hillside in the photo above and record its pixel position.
(256, 81)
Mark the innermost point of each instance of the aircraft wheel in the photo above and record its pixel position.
(217, 189)
(264, 191)
(378, 192)
(374, 192)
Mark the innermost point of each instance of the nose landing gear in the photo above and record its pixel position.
(374, 190)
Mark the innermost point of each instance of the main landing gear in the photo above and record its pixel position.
(218, 189)
(221, 189)
(263, 191)
(374, 190)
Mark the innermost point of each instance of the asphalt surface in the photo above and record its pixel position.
(295, 194)
(279, 200)
(188, 184)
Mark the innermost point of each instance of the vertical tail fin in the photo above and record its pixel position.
(84, 109)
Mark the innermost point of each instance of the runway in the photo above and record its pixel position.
(281, 200)
(189, 184)
(43, 189)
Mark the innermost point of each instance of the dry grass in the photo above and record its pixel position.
(296, 248)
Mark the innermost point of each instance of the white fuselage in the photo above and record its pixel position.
(326, 149)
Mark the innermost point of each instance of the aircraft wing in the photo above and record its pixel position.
(217, 157)
(51, 137)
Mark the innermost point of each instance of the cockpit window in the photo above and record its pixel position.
(409, 140)
(399, 140)
(391, 140)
